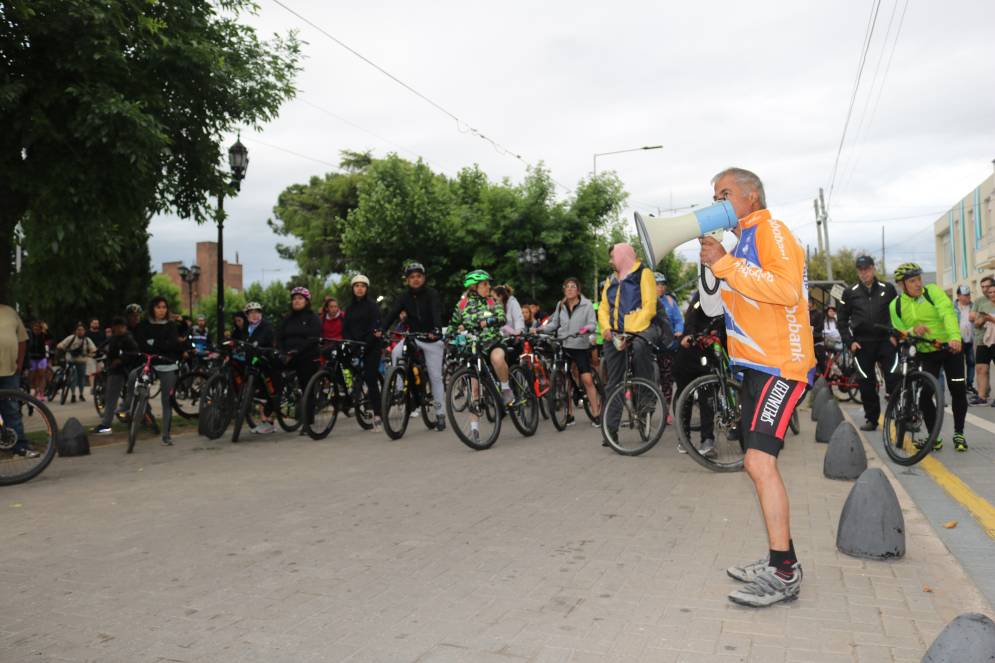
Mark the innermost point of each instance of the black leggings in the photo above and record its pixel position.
(952, 364)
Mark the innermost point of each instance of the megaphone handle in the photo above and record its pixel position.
(704, 284)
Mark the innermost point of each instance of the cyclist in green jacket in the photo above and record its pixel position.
(927, 311)
(478, 312)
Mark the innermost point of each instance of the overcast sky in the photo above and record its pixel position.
(763, 85)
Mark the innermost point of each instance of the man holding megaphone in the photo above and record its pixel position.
(764, 294)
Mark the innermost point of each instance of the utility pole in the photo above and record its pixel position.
(825, 229)
(884, 269)
(818, 223)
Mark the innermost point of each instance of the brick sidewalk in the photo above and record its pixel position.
(360, 549)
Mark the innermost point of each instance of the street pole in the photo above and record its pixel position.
(825, 229)
(818, 222)
(221, 266)
(884, 269)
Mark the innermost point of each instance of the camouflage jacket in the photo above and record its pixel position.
(471, 310)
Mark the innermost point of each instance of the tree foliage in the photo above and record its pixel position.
(682, 276)
(113, 111)
(844, 263)
(162, 286)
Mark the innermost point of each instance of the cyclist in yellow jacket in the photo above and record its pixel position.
(764, 294)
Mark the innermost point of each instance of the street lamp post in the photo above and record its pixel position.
(189, 275)
(531, 259)
(238, 160)
(594, 292)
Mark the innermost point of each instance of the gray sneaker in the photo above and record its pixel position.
(769, 588)
(680, 448)
(748, 572)
(707, 448)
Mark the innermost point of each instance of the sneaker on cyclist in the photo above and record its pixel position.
(570, 420)
(769, 587)
(680, 448)
(440, 423)
(24, 452)
(960, 444)
(748, 572)
(938, 444)
(508, 396)
(101, 430)
(167, 441)
(977, 400)
(707, 448)
(869, 426)
(264, 428)
(475, 436)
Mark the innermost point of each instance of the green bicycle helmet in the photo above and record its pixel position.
(475, 277)
(907, 270)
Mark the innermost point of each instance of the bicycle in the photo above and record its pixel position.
(566, 390)
(333, 389)
(141, 412)
(907, 413)
(840, 372)
(473, 398)
(220, 394)
(185, 399)
(407, 388)
(25, 453)
(260, 367)
(533, 360)
(61, 381)
(638, 405)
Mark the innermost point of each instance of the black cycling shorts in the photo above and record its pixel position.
(984, 354)
(580, 358)
(768, 401)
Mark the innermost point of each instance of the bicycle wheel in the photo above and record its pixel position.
(365, 409)
(524, 411)
(139, 408)
(396, 408)
(471, 422)
(558, 399)
(793, 423)
(599, 388)
(635, 417)
(18, 449)
(99, 393)
(906, 434)
(320, 411)
(64, 390)
(288, 414)
(185, 398)
(244, 406)
(53, 386)
(701, 407)
(216, 407)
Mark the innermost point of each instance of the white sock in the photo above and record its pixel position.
(505, 385)
(475, 425)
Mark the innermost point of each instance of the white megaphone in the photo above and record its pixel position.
(661, 235)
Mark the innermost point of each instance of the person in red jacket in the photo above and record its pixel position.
(331, 320)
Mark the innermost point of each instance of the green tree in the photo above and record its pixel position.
(315, 214)
(162, 286)
(208, 307)
(112, 112)
(682, 276)
(844, 266)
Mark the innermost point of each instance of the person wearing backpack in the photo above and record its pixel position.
(863, 320)
(927, 311)
(79, 348)
(481, 314)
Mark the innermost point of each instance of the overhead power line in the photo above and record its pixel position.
(461, 125)
(868, 35)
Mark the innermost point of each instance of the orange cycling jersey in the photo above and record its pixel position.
(765, 296)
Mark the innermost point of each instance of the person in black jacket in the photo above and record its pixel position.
(687, 366)
(118, 363)
(865, 323)
(258, 332)
(362, 323)
(299, 334)
(160, 335)
(423, 311)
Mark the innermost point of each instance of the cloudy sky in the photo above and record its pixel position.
(764, 85)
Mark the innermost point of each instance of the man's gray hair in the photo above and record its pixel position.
(746, 178)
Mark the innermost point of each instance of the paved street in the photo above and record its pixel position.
(361, 549)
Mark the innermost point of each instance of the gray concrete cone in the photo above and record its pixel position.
(830, 416)
(845, 458)
(871, 524)
(970, 638)
(819, 384)
(72, 440)
(822, 397)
